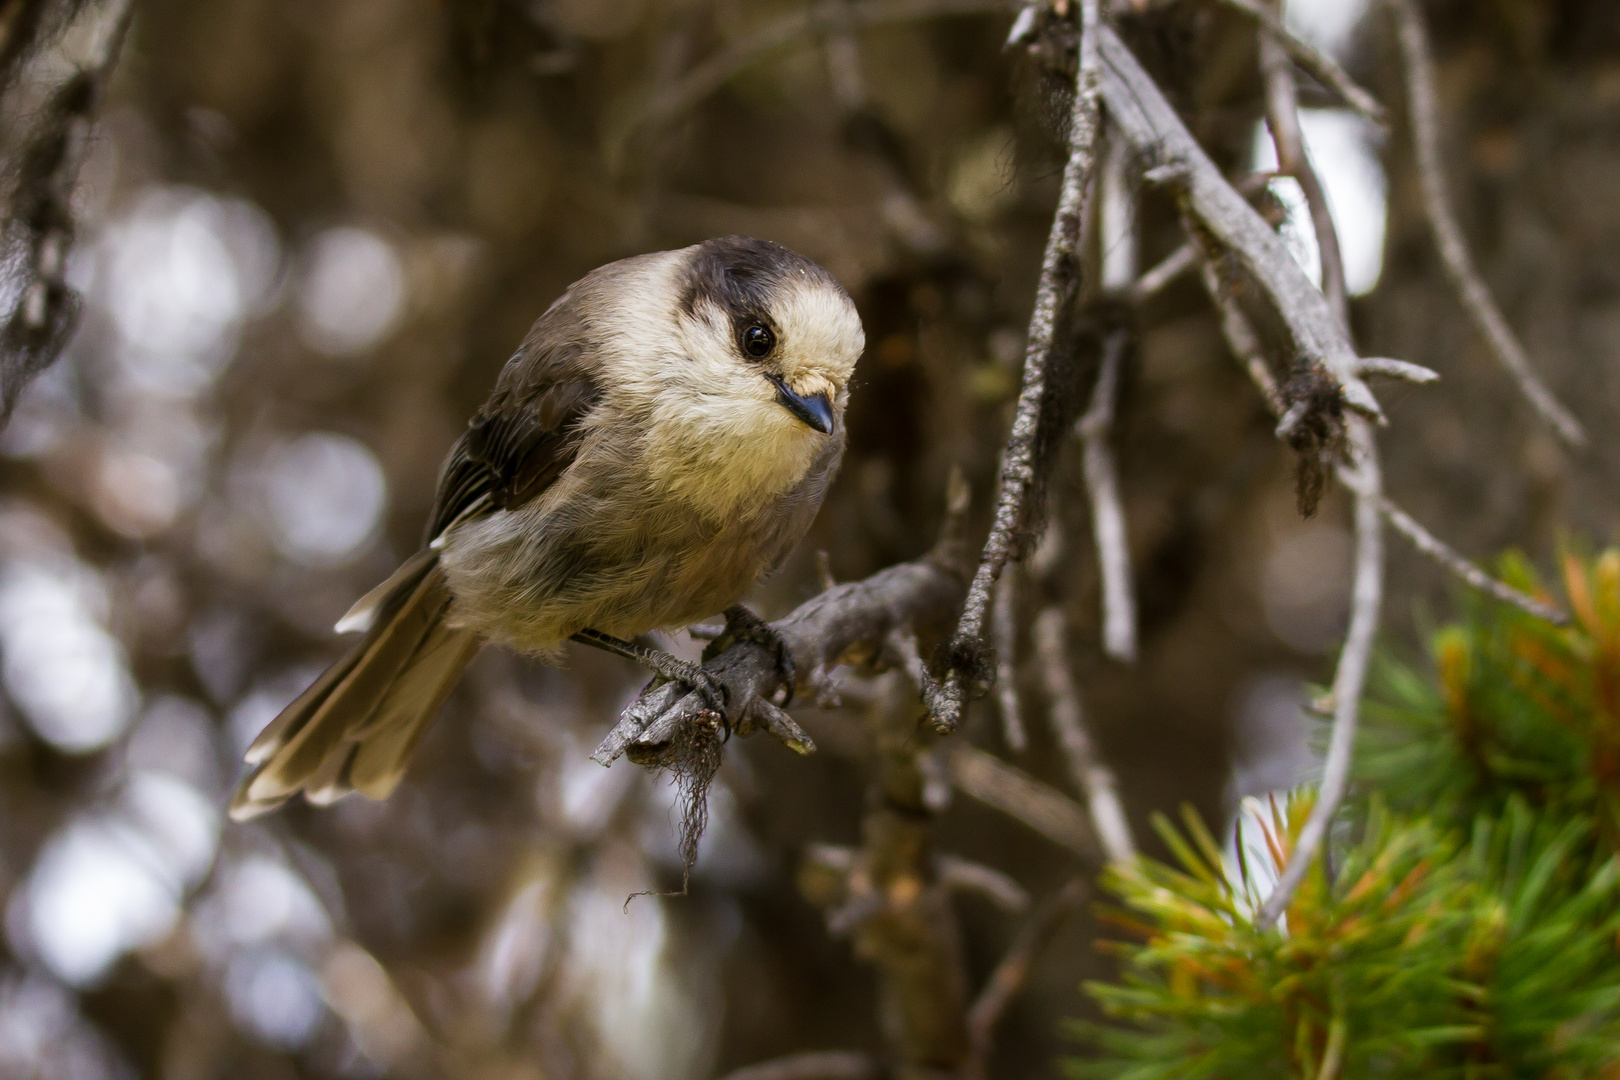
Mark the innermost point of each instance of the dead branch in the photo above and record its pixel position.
(1059, 275)
(964, 875)
(1442, 553)
(1282, 117)
(1314, 61)
(1366, 601)
(849, 623)
(1107, 514)
(823, 1065)
(1004, 631)
(1012, 972)
(1424, 111)
(1049, 812)
(1156, 278)
(1092, 777)
(1404, 370)
(1241, 338)
(1139, 107)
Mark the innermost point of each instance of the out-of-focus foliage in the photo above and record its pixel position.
(1422, 957)
(1470, 931)
(1516, 707)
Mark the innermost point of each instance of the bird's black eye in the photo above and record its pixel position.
(758, 341)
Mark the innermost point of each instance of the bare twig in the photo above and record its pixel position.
(1187, 256)
(1012, 972)
(1404, 370)
(1314, 61)
(1318, 336)
(1092, 776)
(1153, 282)
(1004, 629)
(1282, 117)
(1107, 515)
(824, 1065)
(1488, 319)
(1059, 273)
(1366, 600)
(963, 875)
(1049, 812)
(1440, 552)
(1241, 338)
(829, 16)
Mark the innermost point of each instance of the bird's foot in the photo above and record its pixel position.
(667, 668)
(743, 625)
(694, 677)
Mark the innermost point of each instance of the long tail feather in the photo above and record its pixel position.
(355, 727)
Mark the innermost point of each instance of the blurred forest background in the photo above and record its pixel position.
(309, 232)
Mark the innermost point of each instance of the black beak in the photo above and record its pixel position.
(815, 410)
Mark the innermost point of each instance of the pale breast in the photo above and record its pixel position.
(608, 552)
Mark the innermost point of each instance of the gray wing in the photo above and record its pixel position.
(528, 432)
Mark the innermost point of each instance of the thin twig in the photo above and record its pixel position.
(1012, 972)
(963, 875)
(824, 1065)
(1476, 297)
(1154, 281)
(1092, 776)
(1186, 257)
(1243, 343)
(1282, 117)
(1004, 632)
(1241, 338)
(1107, 514)
(1366, 600)
(1059, 273)
(1317, 63)
(1404, 370)
(1440, 552)
(1015, 793)
(829, 16)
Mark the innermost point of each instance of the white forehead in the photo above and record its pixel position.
(820, 330)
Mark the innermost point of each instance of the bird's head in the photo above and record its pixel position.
(766, 324)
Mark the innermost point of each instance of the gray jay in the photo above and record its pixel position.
(661, 440)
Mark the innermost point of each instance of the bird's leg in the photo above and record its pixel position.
(664, 665)
(744, 625)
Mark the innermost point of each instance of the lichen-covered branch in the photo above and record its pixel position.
(1059, 276)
